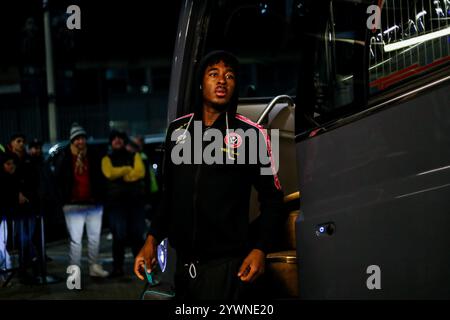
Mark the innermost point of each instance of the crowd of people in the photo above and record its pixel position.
(85, 184)
(19, 200)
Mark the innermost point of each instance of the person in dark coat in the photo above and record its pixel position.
(27, 210)
(125, 190)
(204, 209)
(9, 200)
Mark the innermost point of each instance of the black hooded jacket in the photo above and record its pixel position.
(205, 207)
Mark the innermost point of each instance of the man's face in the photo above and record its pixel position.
(117, 143)
(18, 145)
(80, 143)
(36, 151)
(218, 85)
(9, 166)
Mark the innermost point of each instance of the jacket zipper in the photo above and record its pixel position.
(195, 198)
(194, 214)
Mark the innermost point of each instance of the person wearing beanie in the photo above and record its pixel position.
(125, 172)
(80, 185)
(204, 210)
(77, 131)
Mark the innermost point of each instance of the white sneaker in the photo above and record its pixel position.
(96, 270)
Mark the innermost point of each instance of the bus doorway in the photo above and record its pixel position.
(364, 127)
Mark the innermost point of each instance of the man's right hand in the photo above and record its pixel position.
(147, 256)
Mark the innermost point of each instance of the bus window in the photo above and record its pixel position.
(313, 50)
(413, 40)
(337, 56)
(346, 64)
(332, 76)
(260, 33)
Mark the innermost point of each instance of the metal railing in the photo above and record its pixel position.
(277, 99)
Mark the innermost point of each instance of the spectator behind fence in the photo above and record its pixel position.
(124, 171)
(35, 149)
(79, 182)
(35, 162)
(150, 181)
(39, 180)
(9, 200)
(25, 214)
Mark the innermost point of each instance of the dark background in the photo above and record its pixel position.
(113, 73)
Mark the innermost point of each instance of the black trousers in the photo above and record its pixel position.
(214, 280)
(127, 223)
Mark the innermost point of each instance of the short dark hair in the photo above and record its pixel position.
(210, 59)
(116, 133)
(16, 135)
(35, 143)
(215, 57)
(5, 156)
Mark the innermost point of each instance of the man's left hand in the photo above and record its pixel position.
(253, 266)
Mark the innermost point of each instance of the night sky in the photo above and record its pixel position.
(109, 30)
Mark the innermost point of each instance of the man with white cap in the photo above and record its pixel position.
(79, 183)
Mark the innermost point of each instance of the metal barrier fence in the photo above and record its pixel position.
(22, 246)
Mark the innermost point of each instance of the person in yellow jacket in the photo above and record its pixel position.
(124, 198)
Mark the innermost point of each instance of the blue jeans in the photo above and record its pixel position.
(5, 260)
(76, 217)
(24, 227)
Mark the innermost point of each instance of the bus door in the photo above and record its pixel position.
(260, 34)
(372, 139)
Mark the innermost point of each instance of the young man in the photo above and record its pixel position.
(124, 171)
(16, 146)
(79, 182)
(27, 210)
(205, 207)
